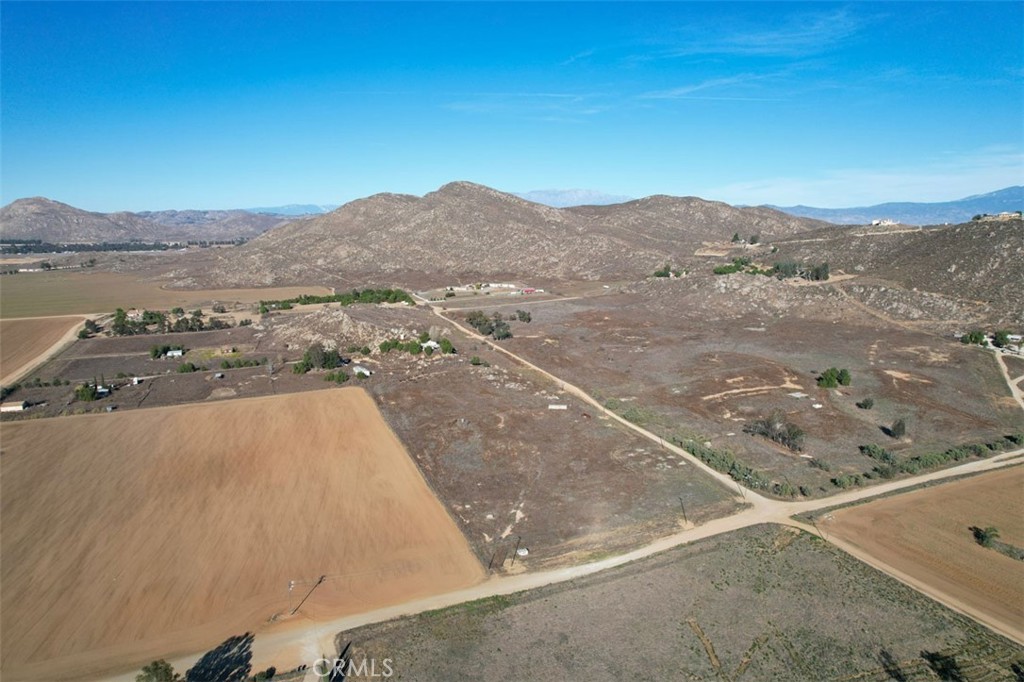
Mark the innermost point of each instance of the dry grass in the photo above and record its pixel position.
(67, 292)
(926, 534)
(173, 528)
(22, 341)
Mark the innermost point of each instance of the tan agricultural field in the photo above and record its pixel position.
(926, 535)
(153, 531)
(22, 341)
(69, 292)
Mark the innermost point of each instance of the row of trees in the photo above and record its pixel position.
(122, 325)
(1000, 338)
(239, 363)
(346, 299)
(890, 465)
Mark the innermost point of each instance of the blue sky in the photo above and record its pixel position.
(217, 105)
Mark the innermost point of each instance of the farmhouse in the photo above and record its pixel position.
(13, 407)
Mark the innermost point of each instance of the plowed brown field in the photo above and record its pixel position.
(22, 341)
(172, 528)
(926, 535)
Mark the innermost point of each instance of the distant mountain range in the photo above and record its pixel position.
(1005, 200)
(295, 209)
(671, 218)
(562, 198)
(58, 223)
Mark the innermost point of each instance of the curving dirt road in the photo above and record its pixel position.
(297, 642)
(25, 362)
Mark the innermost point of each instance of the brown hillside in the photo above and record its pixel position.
(58, 223)
(52, 221)
(465, 229)
(663, 221)
(976, 261)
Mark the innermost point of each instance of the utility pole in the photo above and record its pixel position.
(683, 507)
(322, 578)
(519, 538)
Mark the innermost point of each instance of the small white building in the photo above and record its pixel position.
(360, 370)
(432, 345)
(13, 407)
(175, 353)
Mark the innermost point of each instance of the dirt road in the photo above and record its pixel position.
(295, 644)
(1013, 382)
(26, 343)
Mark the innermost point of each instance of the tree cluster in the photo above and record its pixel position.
(832, 377)
(86, 392)
(790, 268)
(777, 428)
(338, 377)
(1000, 338)
(157, 352)
(493, 326)
(667, 271)
(318, 357)
(346, 299)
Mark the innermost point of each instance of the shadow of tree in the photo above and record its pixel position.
(229, 662)
(891, 666)
(945, 667)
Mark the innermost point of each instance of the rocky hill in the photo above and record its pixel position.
(466, 230)
(661, 222)
(981, 262)
(58, 223)
(52, 221)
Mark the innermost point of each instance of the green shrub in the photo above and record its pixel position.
(833, 377)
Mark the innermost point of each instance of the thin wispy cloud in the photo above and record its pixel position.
(742, 80)
(539, 105)
(578, 57)
(798, 35)
(949, 175)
